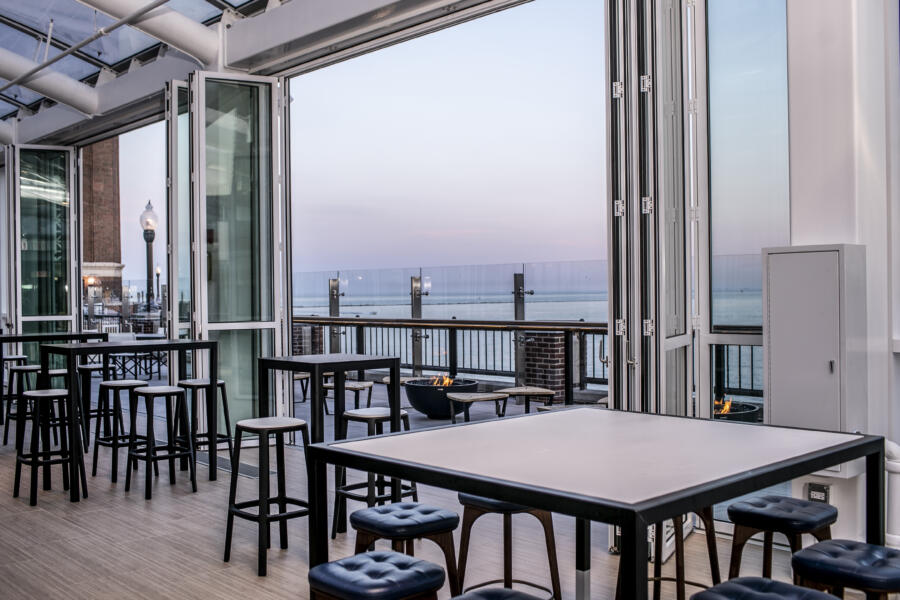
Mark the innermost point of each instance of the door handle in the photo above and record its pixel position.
(831, 366)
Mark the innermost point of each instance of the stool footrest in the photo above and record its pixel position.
(237, 509)
(140, 452)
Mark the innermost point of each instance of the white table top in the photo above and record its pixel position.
(618, 456)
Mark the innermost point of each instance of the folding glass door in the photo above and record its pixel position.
(650, 230)
(42, 292)
(225, 260)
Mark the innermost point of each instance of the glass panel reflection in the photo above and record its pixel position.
(238, 202)
(748, 149)
(236, 367)
(44, 236)
(33, 349)
(183, 125)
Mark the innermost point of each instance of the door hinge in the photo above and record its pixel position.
(620, 327)
(694, 214)
(647, 205)
(648, 326)
(646, 83)
(695, 322)
(619, 208)
(692, 106)
(618, 89)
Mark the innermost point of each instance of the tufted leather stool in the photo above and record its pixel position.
(495, 594)
(839, 564)
(476, 506)
(405, 522)
(791, 516)
(376, 575)
(757, 588)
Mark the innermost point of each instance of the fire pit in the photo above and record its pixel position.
(429, 396)
(729, 410)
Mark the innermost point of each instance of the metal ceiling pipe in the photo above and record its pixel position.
(52, 84)
(168, 26)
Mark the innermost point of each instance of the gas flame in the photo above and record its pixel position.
(722, 407)
(441, 380)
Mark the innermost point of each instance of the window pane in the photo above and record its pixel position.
(183, 125)
(236, 347)
(33, 349)
(44, 241)
(748, 149)
(238, 202)
(469, 153)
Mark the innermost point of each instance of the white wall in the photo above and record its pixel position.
(842, 85)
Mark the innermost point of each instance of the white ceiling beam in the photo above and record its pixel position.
(168, 26)
(7, 133)
(49, 83)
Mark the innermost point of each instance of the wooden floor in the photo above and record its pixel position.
(116, 544)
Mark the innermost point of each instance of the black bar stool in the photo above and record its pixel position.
(193, 387)
(85, 374)
(405, 522)
(757, 588)
(148, 449)
(6, 395)
(41, 453)
(113, 433)
(838, 564)
(263, 428)
(375, 486)
(769, 514)
(356, 387)
(477, 506)
(19, 382)
(376, 576)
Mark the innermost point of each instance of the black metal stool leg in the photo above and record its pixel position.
(151, 450)
(227, 418)
(35, 433)
(263, 501)
(282, 493)
(232, 491)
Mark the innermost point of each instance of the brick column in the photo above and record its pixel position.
(545, 361)
(307, 339)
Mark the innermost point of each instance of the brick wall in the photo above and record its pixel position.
(307, 339)
(100, 210)
(545, 361)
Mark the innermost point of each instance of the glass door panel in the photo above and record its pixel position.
(237, 227)
(44, 268)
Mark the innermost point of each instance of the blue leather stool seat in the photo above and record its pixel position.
(782, 514)
(404, 520)
(376, 576)
(495, 594)
(757, 588)
(490, 504)
(851, 564)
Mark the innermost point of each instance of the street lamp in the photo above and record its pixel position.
(158, 271)
(149, 222)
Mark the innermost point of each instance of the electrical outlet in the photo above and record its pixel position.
(818, 492)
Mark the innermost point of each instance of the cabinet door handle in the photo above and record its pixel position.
(831, 366)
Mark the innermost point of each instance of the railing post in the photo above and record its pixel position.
(582, 360)
(719, 372)
(415, 307)
(452, 351)
(568, 349)
(360, 347)
(334, 310)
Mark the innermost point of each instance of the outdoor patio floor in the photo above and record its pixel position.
(116, 544)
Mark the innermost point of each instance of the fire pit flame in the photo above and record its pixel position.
(722, 407)
(441, 381)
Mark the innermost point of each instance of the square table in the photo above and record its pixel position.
(316, 365)
(72, 351)
(628, 469)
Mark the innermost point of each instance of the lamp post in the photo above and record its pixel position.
(149, 222)
(158, 272)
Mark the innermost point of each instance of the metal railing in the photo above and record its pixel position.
(737, 370)
(492, 348)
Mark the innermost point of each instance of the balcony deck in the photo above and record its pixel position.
(116, 544)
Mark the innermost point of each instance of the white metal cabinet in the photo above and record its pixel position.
(814, 337)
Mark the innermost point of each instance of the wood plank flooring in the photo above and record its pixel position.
(117, 545)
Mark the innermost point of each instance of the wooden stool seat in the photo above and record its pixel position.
(376, 413)
(123, 384)
(24, 368)
(271, 424)
(158, 390)
(14, 357)
(356, 387)
(386, 380)
(469, 398)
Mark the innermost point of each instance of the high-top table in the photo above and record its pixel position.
(627, 469)
(73, 351)
(318, 364)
